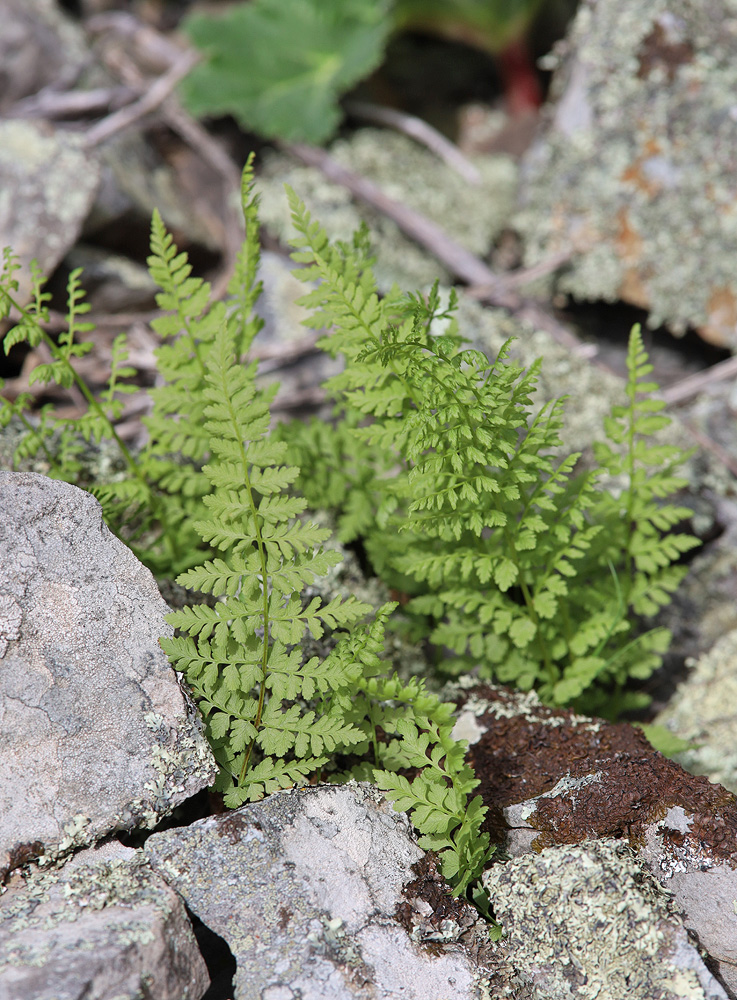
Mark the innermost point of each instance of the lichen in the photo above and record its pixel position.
(590, 922)
(409, 174)
(703, 712)
(638, 162)
(41, 900)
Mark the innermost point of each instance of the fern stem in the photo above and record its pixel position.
(264, 589)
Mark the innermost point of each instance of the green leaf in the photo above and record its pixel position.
(505, 574)
(280, 66)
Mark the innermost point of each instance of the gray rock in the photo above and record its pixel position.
(48, 181)
(102, 927)
(703, 888)
(40, 46)
(636, 165)
(97, 735)
(304, 888)
(704, 712)
(585, 921)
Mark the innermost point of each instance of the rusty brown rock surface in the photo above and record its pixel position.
(553, 778)
(525, 749)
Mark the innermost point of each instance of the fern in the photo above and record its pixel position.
(525, 569)
(272, 719)
(154, 503)
(516, 564)
(243, 669)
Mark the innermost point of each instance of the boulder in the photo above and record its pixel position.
(53, 178)
(103, 926)
(634, 170)
(306, 889)
(551, 777)
(97, 733)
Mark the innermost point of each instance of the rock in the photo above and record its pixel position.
(40, 46)
(586, 921)
(636, 165)
(551, 778)
(704, 712)
(703, 887)
(304, 887)
(48, 180)
(102, 927)
(97, 733)
(408, 173)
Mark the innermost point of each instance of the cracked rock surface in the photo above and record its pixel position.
(97, 733)
(304, 887)
(103, 926)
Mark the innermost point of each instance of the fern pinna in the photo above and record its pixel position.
(524, 569)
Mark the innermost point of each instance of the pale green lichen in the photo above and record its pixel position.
(412, 176)
(638, 163)
(42, 900)
(587, 920)
(704, 712)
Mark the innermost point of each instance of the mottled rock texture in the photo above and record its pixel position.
(48, 181)
(552, 778)
(408, 173)
(305, 888)
(97, 734)
(636, 166)
(596, 927)
(104, 926)
(704, 712)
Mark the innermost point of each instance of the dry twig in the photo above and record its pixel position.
(456, 258)
(155, 96)
(693, 384)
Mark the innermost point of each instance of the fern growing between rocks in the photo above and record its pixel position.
(210, 498)
(516, 564)
(527, 570)
(156, 494)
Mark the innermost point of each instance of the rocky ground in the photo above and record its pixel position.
(617, 868)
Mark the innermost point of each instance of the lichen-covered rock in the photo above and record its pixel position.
(48, 181)
(97, 732)
(102, 927)
(551, 777)
(40, 44)
(411, 175)
(305, 887)
(703, 887)
(704, 712)
(586, 922)
(637, 164)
